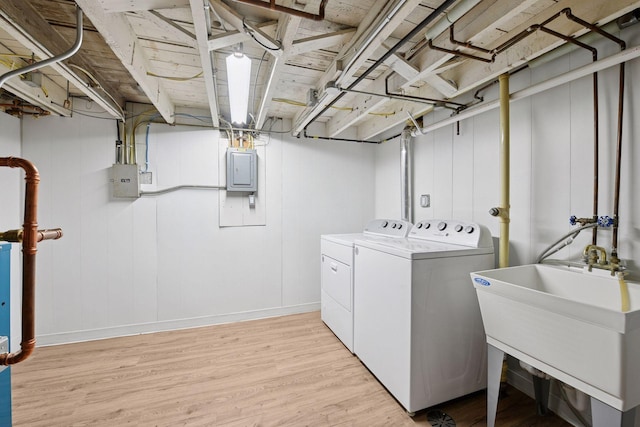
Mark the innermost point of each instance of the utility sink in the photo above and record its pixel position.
(568, 323)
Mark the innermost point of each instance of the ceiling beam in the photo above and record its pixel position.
(374, 29)
(230, 38)
(172, 30)
(447, 88)
(287, 29)
(208, 65)
(20, 20)
(117, 32)
(400, 65)
(238, 22)
(323, 41)
(116, 6)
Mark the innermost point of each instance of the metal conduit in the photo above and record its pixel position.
(406, 176)
(29, 236)
(57, 58)
(441, 9)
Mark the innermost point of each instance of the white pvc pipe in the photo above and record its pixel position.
(450, 17)
(586, 70)
(371, 38)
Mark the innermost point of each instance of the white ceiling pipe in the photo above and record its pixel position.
(370, 39)
(450, 17)
(586, 70)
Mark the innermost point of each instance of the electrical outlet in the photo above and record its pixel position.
(425, 200)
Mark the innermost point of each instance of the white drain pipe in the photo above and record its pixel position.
(505, 171)
(406, 177)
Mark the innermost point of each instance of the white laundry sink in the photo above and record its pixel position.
(568, 323)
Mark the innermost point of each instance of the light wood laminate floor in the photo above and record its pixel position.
(284, 371)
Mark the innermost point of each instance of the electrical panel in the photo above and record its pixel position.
(126, 181)
(242, 170)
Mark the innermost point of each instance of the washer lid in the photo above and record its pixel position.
(419, 249)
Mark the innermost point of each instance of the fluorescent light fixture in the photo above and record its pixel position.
(238, 78)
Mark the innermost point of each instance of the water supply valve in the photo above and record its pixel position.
(573, 220)
(605, 221)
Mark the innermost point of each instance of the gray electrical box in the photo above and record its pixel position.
(242, 170)
(126, 181)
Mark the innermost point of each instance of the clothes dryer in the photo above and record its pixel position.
(417, 324)
(336, 295)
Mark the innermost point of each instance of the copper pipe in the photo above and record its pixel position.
(291, 11)
(596, 158)
(16, 235)
(465, 44)
(616, 191)
(29, 237)
(596, 127)
(594, 28)
(458, 53)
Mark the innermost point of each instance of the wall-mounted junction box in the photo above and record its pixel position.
(126, 181)
(242, 170)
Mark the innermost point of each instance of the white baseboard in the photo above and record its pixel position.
(169, 325)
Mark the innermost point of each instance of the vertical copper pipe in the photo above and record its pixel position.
(616, 191)
(29, 248)
(596, 157)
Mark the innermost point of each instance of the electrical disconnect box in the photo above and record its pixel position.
(126, 180)
(242, 170)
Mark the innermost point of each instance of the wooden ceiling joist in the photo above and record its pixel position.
(32, 31)
(208, 65)
(119, 35)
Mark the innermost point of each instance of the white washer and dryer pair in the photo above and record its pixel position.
(417, 324)
(336, 295)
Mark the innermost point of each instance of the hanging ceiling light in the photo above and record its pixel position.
(238, 78)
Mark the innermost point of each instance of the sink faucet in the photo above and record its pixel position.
(596, 257)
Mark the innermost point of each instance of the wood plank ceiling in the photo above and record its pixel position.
(333, 71)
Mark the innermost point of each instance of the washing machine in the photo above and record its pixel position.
(417, 324)
(336, 295)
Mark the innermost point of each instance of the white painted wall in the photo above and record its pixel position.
(11, 189)
(162, 262)
(551, 162)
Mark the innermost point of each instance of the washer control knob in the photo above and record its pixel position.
(459, 228)
(427, 225)
(394, 225)
(399, 226)
(384, 224)
(469, 229)
(419, 225)
(442, 225)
